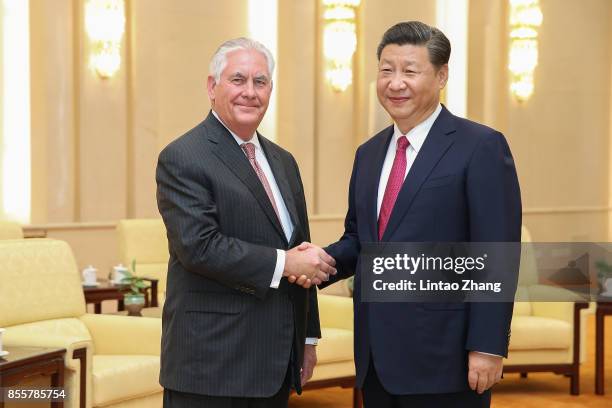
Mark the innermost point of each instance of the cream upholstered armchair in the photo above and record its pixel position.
(111, 361)
(10, 230)
(546, 336)
(145, 241)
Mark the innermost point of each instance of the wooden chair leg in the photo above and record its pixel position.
(575, 378)
(357, 399)
(575, 382)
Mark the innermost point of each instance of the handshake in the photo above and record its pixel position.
(307, 265)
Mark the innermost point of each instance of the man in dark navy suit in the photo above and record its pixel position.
(430, 177)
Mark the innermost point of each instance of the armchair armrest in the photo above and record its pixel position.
(336, 311)
(554, 310)
(561, 307)
(113, 334)
(70, 334)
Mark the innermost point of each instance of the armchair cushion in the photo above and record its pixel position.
(336, 312)
(114, 334)
(335, 345)
(117, 378)
(535, 357)
(536, 333)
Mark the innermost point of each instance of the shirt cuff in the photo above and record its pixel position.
(488, 354)
(313, 341)
(278, 269)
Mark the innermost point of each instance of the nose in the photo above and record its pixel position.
(397, 83)
(249, 90)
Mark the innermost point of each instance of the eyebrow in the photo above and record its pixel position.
(261, 77)
(408, 62)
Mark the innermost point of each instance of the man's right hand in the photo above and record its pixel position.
(309, 266)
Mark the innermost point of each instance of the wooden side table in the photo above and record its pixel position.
(107, 290)
(603, 309)
(24, 362)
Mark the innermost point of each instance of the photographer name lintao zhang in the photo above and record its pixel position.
(466, 285)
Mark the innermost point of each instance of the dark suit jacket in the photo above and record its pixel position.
(462, 187)
(225, 331)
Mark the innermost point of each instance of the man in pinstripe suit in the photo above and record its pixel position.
(236, 333)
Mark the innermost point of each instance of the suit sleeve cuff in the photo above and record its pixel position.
(278, 269)
(313, 341)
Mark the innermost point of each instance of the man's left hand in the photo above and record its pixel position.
(310, 360)
(484, 370)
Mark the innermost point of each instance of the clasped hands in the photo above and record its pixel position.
(308, 264)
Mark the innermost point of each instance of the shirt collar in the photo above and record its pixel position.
(416, 136)
(254, 139)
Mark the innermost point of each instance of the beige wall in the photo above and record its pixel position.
(95, 142)
(53, 96)
(171, 43)
(296, 87)
(375, 19)
(560, 138)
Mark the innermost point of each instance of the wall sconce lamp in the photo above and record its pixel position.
(105, 25)
(525, 19)
(339, 41)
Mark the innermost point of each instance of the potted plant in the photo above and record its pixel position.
(134, 298)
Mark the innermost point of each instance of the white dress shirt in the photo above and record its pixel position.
(283, 213)
(416, 137)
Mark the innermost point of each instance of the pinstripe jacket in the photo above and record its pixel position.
(225, 331)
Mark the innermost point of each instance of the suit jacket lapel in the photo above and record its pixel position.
(436, 144)
(230, 154)
(280, 175)
(380, 151)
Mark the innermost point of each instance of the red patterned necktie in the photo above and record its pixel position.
(249, 149)
(394, 185)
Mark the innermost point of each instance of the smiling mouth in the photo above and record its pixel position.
(395, 99)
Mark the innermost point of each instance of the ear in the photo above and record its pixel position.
(442, 75)
(211, 84)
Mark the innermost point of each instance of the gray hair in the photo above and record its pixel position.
(417, 33)
(219, 60)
